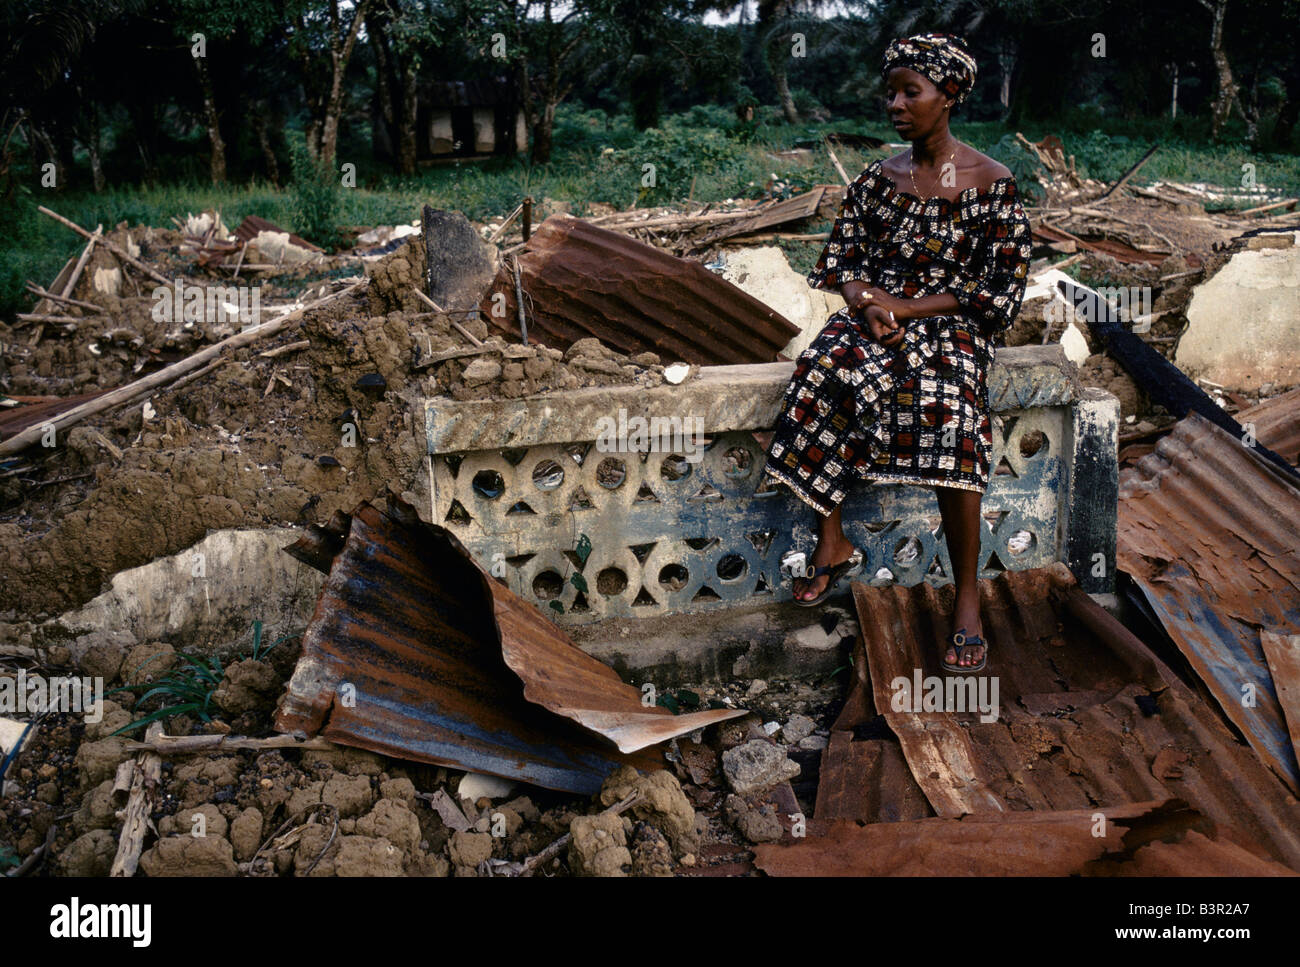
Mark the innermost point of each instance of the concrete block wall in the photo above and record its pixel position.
(589, 534)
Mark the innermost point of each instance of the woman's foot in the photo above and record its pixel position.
(827, 554)
(966, 619)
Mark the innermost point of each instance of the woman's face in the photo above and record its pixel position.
(914, 105)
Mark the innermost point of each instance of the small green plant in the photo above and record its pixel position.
(316, 195)
(185, 690)
(189, 688)
(259, 653)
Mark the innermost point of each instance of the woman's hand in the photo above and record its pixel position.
(866, 297)
(884, 326)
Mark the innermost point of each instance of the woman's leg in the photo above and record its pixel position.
(832, 548)
(962, 528)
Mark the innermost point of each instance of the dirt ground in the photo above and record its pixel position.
(350, 812)
(286, 440)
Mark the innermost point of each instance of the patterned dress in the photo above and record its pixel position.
(917, 413)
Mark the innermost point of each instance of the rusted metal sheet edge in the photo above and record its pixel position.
(1233, 668)
(1156, 837)
(561, 677)
(1282, 652)
(1277, 423)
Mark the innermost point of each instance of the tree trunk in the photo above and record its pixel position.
(217, 166)
(542, 133)
(1227, 92)
(406, 138)
(41, 137)
(1287, 116)
(376, 28)
(96, 163)
(1007, 66)
(268, 152)
(771, 12)
(340, 54)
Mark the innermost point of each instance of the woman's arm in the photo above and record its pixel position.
(859, 295)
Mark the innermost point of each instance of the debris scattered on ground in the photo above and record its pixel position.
(292, 406)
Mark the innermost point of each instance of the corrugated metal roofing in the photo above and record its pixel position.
(1142, 839)
(1088, 717)
(1212, 537)
(404, 656)
(580, 281)
(38, 409)
(1277, 423)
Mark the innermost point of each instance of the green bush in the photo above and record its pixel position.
(316, 196)
(1023, 165)
(680, 156)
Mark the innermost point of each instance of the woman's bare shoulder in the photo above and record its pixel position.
(987, 170)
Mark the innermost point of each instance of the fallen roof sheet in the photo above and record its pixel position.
(1163, 838)
(1276, 423)
(1210, 535)
(1283, 656)
(428, 642)
(254, 225)
(581, 281)
(1087, 715)
(38, 409)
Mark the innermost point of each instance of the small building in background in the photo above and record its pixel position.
(460, 119)
(474, 117)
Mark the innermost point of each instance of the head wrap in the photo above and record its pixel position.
(941, 57)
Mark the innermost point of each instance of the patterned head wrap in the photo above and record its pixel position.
(941, 57)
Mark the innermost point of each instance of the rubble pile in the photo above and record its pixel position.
(300, 401)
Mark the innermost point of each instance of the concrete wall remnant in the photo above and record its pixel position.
(1243, 326)
(203, 599)
(660, 527)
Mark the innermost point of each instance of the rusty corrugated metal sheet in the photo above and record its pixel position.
(1211, 536)
(561, 677)
(581, 281)
(253, 225)
(38, 409)
(1140, 839)
(1072, 731)
(410, 623)
(1277, 423)
(1283, 656)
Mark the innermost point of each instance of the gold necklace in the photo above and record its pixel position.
(911, 171)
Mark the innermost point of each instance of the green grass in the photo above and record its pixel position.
(599, 158)
(187, 689)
